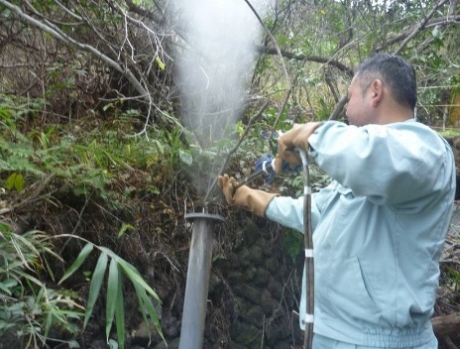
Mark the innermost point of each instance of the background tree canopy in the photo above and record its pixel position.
(99, 162)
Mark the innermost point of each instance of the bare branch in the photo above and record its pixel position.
(339, 107)
(142, 25)
(61, 36)
(144, 13)
(332, 88)
(452, 6)
(272, 38)
(455, 19)
(406, 36)
(420, 27)
(342, 67)
(70, 13)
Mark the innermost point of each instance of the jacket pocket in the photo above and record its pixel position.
(348, 296)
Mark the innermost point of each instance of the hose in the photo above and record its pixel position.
(309, 261)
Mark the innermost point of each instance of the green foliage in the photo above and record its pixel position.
(118, 269)
(13, 109)
(29, 309)
(324, 109)
(450, 133)
(293, 243)
(454, 276)
(294, 183)
(16, 181)
(93, 161)
(98, 155)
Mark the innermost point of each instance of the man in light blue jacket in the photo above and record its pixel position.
(379, 227)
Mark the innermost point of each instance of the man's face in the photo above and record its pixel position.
(359, 110)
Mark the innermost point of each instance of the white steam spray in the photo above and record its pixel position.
(216, 63)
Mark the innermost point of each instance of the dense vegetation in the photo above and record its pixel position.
(97, 157)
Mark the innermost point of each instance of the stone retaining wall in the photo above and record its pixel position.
(253, 292)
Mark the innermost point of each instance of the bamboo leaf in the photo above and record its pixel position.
(30, 278)
(49, 251)
(17, 247)
(109, 253)
(132, 273)
(4, 289)
(48, 268)
(120, 313)
(78, 262)
(95, 287)
(148, 308)
(48, 323)
(140, 292)
(112, 296)
(7, 284)
(148, 305)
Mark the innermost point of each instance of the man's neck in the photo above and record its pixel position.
(395, 113)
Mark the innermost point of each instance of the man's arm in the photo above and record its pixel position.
(289, 212)
(393, 163)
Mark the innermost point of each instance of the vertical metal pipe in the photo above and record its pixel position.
(196, 289)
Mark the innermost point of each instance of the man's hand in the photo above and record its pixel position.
(295, 138)
(227, 184)
(254, 200)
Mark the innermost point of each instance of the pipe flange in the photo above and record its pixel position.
(207, 216)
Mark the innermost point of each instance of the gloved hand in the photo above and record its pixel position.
(254, 200)
(297, 137)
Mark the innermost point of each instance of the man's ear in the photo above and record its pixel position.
(377, 92)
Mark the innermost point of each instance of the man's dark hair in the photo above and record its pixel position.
(395, 72)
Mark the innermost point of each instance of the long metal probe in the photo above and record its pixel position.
(309, 261)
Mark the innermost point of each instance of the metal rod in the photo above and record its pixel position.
(196, 289)
(249, 178)
(267, 166)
